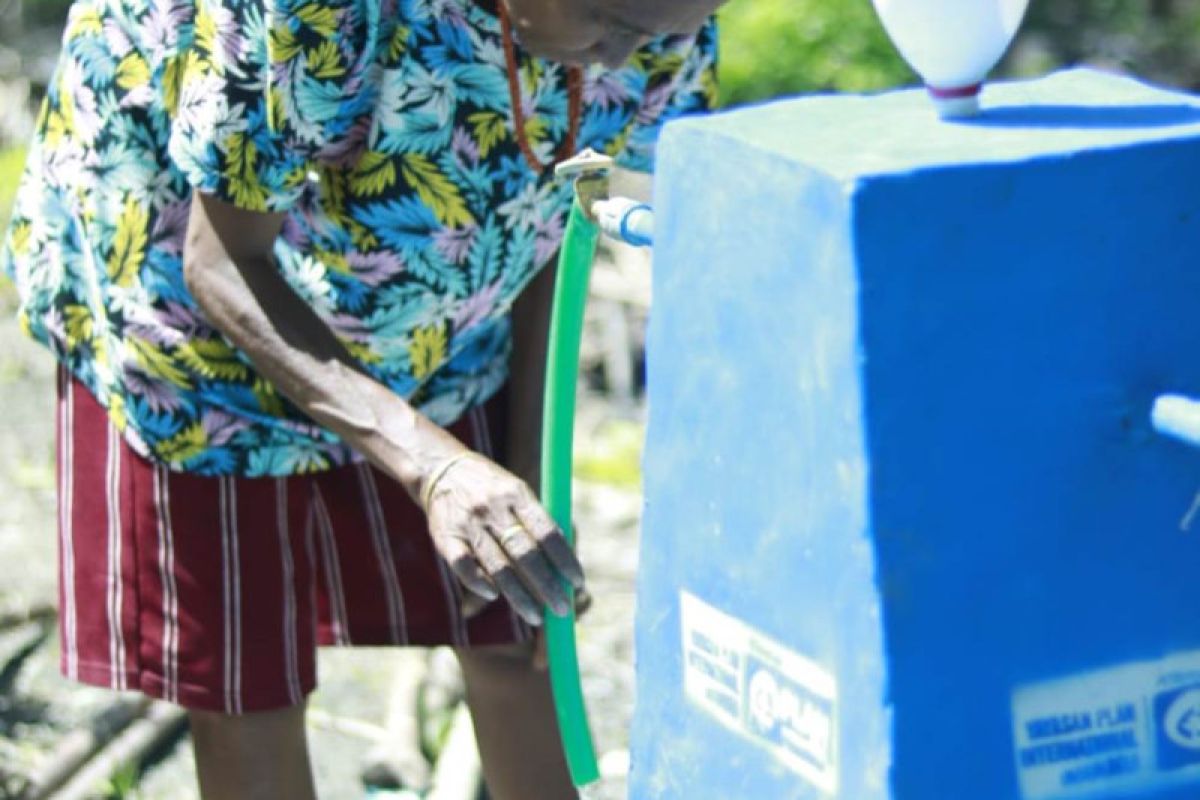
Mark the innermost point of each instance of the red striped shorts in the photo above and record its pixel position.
(214, 592)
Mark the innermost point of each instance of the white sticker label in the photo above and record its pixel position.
(781, 701)
(1132, 727)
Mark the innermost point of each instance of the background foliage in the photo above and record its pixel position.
(11, 161)
(774, 47)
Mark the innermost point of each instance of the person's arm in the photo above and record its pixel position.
(486, 522)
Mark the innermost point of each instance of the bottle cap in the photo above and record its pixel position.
(956, 103)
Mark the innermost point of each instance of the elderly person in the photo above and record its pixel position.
(289, 254)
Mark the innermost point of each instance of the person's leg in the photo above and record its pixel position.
(515, 725)
(256, 756)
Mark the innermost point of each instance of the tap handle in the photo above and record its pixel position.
(1178, 417)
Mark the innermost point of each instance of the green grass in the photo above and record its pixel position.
(612, 455)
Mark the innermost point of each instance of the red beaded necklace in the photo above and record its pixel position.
(574, 101)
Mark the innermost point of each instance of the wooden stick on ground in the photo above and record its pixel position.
(396, 760)
(346, 726)
(16, 647)
(74, 749)
(12, 618)
(163, 723)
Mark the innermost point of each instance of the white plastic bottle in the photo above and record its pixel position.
(952, 44)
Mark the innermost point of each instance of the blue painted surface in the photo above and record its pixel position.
(900, 377)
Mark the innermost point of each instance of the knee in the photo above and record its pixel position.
(205, 723)
(208, 724)
(216, 729)
(256, 756)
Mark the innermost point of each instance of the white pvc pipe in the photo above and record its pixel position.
(624, 219)
(1177, 416)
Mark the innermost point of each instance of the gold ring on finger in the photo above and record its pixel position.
(507, 535)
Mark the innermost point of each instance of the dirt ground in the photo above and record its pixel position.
(37, 707)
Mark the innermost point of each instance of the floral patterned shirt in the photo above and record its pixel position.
(384, 130)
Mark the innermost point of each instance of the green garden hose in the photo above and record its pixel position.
(558, 433)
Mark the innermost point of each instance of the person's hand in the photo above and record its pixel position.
(498, 539)
(604, 31)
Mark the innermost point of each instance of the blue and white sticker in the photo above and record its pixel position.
(1133, 727)
(779, 700)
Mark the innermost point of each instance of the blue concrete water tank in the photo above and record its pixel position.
(908, 531)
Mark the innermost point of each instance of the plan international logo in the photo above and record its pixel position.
(1177, 713)
(1123, 731)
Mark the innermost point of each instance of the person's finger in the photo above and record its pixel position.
(462, 561)
(472, 605)
(550, 539)
(533, 568)
(502, 573)
(583, 602)
(518, 596)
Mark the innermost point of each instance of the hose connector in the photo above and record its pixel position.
(590, 171)
(619, 218)
(628, 220)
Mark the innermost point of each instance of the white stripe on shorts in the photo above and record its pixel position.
(481, 431)
(116, 636)
(452, 590)
(231, 579)
(377, 522)
(291, 655)
(66, 527)
(333, 571)
(310, 550)
(170, 598)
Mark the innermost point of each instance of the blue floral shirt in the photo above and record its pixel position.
(384, 130)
